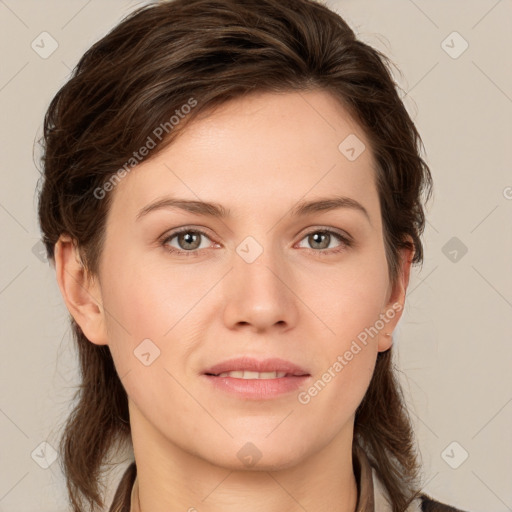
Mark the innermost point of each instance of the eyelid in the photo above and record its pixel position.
(169, 235)
(328, 229)
(185, 229)
(345, 239)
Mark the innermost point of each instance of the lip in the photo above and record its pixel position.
(254, 365)
(257, 389)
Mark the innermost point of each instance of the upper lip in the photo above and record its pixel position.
(255, 365)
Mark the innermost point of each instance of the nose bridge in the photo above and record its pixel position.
(257, 291)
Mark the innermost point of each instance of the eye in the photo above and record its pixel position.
(321, 240)
(186, 241)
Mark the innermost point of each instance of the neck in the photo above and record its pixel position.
(172, 479)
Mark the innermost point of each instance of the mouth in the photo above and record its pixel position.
(248, 375)
(249, 378)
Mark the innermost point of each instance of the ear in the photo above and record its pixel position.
(395, 304)
(80, 290)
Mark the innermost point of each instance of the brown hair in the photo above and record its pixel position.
(132, 81)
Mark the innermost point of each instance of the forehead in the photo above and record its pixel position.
(262, 149)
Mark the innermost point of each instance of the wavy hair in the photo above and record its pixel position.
(133, 80)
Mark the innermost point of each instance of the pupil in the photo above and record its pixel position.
(320, 238)
(190, 239)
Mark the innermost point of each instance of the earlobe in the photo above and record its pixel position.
(385, 341)
(81, 292)
(396, 302)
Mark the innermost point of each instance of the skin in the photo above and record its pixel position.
(258, 157)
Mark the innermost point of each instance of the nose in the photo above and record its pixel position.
(259, 295)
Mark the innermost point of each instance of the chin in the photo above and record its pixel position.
(268, 462)
(256, 453)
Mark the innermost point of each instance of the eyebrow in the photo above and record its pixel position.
(197, 207)
(212, 209)
(327, 204)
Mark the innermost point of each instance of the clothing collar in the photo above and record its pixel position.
(371, 494)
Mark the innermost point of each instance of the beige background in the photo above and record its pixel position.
(454, 341)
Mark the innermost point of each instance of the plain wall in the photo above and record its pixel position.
(454, 344)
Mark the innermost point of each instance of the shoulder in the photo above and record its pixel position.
(429, 504)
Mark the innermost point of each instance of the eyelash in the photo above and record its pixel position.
(345, 242)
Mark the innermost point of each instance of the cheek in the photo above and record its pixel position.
(350, 304)
(338, 389)
(351, 297)
(149, 301)
(149, 298)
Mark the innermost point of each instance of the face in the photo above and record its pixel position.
(281, 279)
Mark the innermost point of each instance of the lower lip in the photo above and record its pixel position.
(258, 389)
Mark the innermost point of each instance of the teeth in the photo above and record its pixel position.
(245, 374)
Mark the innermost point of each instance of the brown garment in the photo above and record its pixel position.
(371, 496)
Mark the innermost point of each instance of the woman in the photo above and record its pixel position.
(232, 198)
